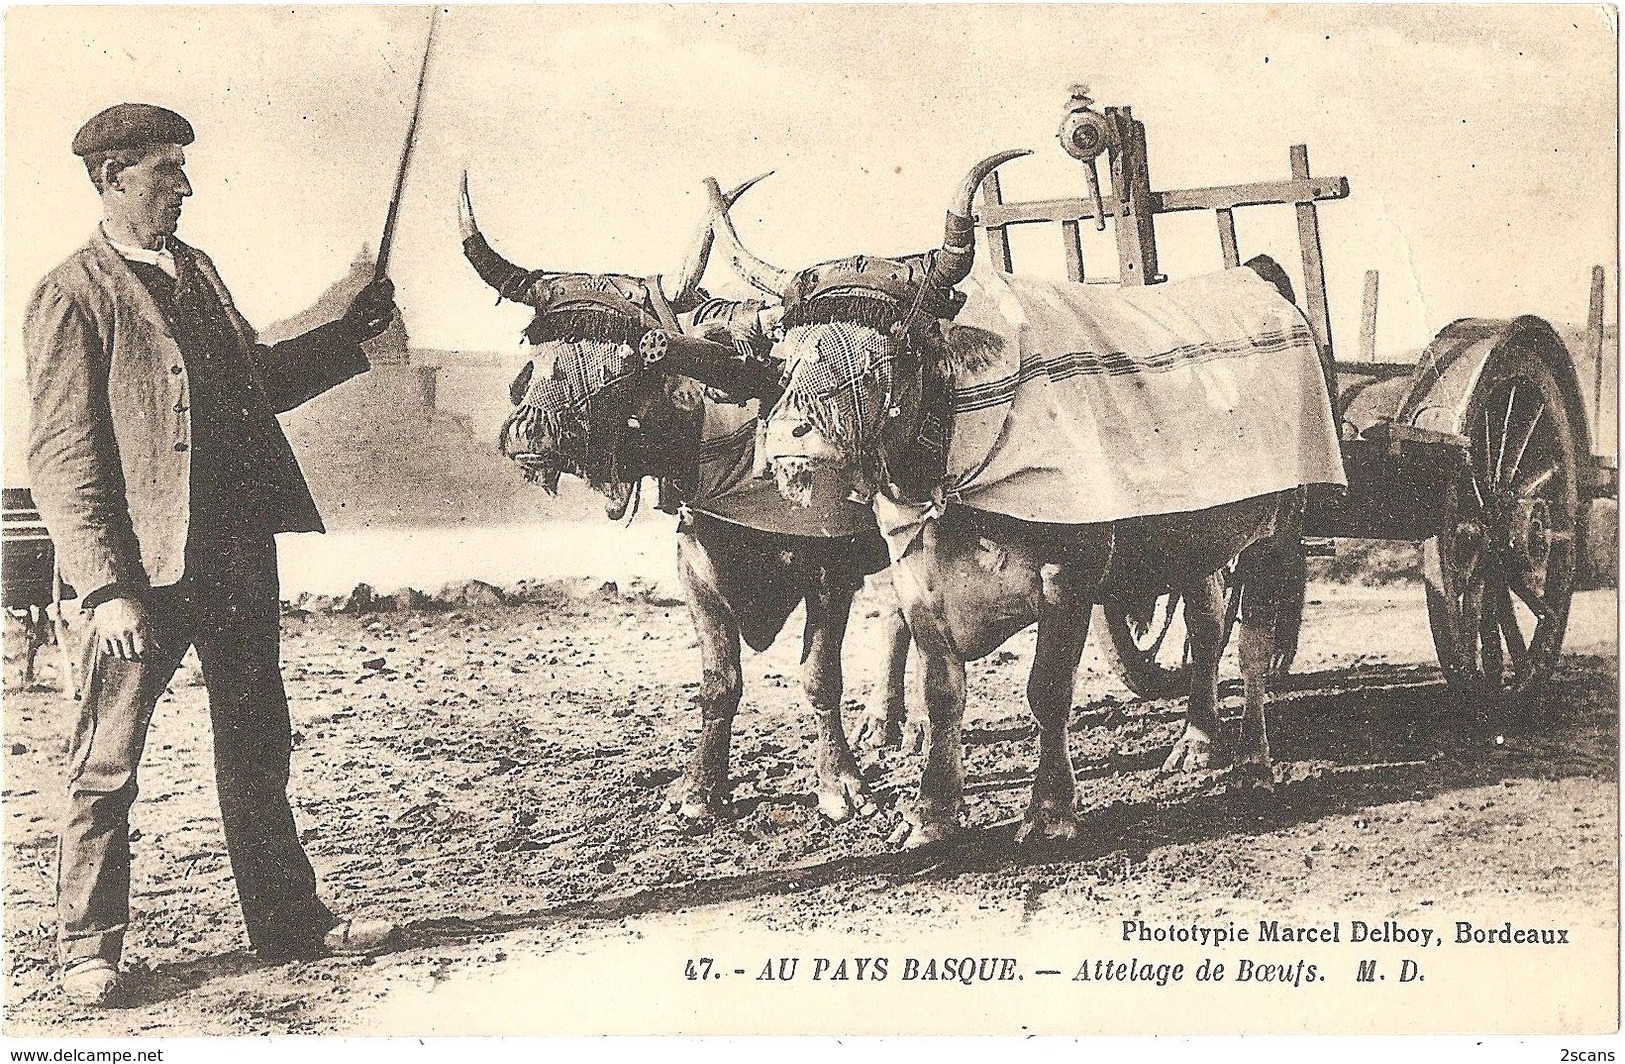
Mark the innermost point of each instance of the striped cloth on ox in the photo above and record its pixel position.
(1107, 403)
(1065, 366)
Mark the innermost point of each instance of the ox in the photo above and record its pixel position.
(872, 353)
(610, 396)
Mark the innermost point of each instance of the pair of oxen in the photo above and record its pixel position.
(851, 364)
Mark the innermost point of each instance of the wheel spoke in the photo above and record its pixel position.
(1535, 602)
(1514, 636)
(1529, 434)
(1506, 430)
(1167, 623)
(1535, 481)
(1489, 629)
(1471, 630)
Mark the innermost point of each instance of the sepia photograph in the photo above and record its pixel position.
(810, 519)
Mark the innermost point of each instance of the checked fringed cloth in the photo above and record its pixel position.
(730, 490)
(1107, 403)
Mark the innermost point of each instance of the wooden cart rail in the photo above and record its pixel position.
(28, 566)
(33, 589)
(1215, 198)
(1482, 449)
(1133, 205)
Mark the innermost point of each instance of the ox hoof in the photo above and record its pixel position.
(913, 741)
(1254, 776)
(1048, 822)
(1192, 753)
(845, 797)
(916, 831)
(877, 731)
(697, 808)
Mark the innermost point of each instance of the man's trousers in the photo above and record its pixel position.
(228, 607)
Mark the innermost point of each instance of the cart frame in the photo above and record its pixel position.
(1410, 433)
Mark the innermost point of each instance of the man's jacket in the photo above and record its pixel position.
(110, 440)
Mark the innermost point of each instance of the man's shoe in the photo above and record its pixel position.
(346, 938)
(92, 982)
(350, 937)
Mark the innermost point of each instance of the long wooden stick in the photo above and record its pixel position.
(381, 269)
(1594, 338)
(1368, 318)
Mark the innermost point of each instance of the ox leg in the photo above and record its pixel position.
(934, 815)
(1272, 576)
(1257, 653)
(885, 723)
(1204, 622)
(36, 633)
(703, 789)
(841, 790)
(1063, 629)
(1261, 598)
(32, 641)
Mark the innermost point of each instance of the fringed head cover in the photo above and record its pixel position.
(560, 401)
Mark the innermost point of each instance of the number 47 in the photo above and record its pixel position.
(700, 969)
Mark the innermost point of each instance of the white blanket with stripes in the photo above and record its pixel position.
(1108, 403)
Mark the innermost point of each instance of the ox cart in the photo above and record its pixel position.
(33, 588)
(1483, 449)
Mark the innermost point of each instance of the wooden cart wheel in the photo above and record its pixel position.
(1501, 574)
(1152, 656)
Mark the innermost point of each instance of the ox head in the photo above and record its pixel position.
(589, 402)
(863, 339)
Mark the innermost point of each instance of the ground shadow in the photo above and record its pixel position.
(1373, 734)
(1389, 734)
(155, 985)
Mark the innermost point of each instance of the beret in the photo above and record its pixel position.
(131, 125)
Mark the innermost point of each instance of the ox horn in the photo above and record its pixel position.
(952, 263)
(681, 289)
(509, 280)
(764, 276)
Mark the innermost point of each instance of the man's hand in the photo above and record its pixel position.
(371, 311)
(119, 627)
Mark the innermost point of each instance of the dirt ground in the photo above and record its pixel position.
(495, 784)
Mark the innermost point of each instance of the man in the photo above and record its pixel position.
(162, 474)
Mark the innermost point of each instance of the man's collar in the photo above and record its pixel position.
(162, 257)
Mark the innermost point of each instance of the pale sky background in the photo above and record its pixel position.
(1479, 141)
